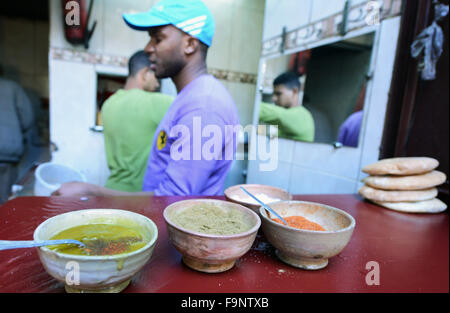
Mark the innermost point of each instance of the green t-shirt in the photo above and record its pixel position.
(130, 118)
(294, 123)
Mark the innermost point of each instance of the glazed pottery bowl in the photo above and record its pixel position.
(210, 253)
(307, 249)
(237, 195)
(103, 273)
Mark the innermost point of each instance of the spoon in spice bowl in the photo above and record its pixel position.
(265, 206)
(16, 244)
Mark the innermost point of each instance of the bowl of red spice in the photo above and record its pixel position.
(315, 232)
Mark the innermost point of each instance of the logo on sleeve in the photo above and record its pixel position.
(162, 140)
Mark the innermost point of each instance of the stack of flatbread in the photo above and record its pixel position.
(404, 184)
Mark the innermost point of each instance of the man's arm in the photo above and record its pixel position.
(86, 189)
(270, 113)
(24, 108)
(293, 124)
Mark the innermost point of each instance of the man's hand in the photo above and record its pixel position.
(78, 189)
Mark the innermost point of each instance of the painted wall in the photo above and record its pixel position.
(305, 12)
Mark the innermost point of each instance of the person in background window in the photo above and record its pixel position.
(349, 131)
(293, 120)
(16, 118)
(130, 118)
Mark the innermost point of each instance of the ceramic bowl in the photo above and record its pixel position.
(308, 249)
(236, 195)
(80, 273)
(205, 252)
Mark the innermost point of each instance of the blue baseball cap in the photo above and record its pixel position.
(191, 16)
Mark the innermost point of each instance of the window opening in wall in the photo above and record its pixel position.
(107, 85)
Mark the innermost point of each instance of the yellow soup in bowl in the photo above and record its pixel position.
(100, 239)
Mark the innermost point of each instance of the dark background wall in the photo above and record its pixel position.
(336, 74)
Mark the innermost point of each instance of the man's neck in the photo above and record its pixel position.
(189, 73)
(131, 84)
(295, 103)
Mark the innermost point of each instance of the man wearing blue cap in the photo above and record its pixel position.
(181, 32)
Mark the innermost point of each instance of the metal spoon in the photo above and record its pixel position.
(15, 244)
(265, 206)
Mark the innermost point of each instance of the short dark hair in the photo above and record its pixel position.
(137, 62)
(289, 79)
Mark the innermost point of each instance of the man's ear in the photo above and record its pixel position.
(192, 45)
(142, 73)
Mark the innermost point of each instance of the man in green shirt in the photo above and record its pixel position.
(130, 118)
(293, 120)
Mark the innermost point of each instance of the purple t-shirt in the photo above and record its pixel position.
(194, 146)
(349, 131)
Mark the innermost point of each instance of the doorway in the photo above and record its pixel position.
(24, 48)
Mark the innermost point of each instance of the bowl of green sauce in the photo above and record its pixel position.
(211, 234)
(118, 244)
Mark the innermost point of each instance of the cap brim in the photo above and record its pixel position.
(143, 21)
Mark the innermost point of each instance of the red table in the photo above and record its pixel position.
(412, 252)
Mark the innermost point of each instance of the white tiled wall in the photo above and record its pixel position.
(306, 181)
(280, 178)
(72, 113)
(326, 159)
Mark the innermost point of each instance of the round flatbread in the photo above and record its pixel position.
(402, 166)
(413, 182)
(397, 196)
(427, 206)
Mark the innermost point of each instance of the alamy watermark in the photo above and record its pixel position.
(72, 17)
(195, 141)
(73, 274)
(373, 276)
(373, 16)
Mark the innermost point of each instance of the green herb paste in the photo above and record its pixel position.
(212, 220)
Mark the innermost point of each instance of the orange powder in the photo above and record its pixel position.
(300, 222)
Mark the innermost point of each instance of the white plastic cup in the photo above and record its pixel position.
(50, 176)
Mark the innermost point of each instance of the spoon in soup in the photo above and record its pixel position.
(265, 206)
(16, 244)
